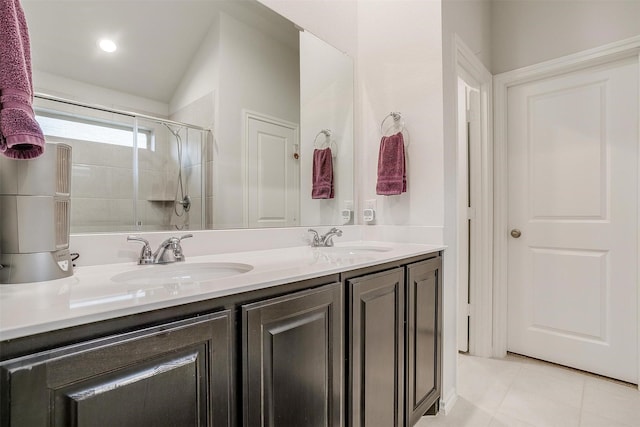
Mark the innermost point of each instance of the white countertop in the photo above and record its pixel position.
(91, 295)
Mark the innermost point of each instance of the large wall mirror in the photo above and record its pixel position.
(209, 114)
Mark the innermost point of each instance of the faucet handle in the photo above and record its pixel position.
(337, 231)
(138, 239)
(177, 249)
(316, 237)
(146, 255)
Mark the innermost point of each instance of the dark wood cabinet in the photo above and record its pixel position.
(298, 354)
(293, 359)
(377, 343)
(178, 374)
(424, 330)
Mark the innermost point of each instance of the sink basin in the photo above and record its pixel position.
(355, 250)
(162, 274)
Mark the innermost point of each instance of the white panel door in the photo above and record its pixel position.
(573, 190)
(273, 175)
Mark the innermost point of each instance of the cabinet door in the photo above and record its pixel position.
(293, 359)
(377, 349)
(424, 325)
(177, 374)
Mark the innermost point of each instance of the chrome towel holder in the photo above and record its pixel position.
(398, 123)
(328, 142)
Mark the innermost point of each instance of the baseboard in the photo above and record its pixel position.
(447, 403)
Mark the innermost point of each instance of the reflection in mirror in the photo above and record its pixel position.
(115, 187)
(264, 88)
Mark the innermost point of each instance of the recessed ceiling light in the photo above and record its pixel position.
(107, 45)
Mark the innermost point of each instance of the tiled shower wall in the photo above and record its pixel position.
(103, 178)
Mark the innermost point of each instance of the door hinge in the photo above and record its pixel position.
(468, 313)
(471, 213)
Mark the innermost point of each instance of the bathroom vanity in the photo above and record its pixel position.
(347, 336)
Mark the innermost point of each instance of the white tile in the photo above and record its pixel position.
(88, 212)
(502, 420)
(192, 149)
(485, 382)
(538, 410)
(89, 181)
(121, 157)
(119, 183)
(195, 214)
(192, 180)
(210, 179)
(121, 212)
(558, 371)
(588, 419)
(564, 388)
(464, 414)
(612, 400)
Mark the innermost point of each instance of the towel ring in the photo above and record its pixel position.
(328, 142)
(397, 119)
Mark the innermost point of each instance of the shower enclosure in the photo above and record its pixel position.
(130, 172)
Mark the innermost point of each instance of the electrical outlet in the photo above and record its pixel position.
(369, 211)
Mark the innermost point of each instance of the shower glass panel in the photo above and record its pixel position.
(170, 177)
(129, 173)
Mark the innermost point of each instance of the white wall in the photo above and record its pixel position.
(259, 74)
(526, 32)
(51, 84)
(326, 102)
(400, 69)
(471, 21)
(203, 75)
(333, 21)
(240, 68)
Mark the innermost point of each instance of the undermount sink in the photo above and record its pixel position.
(162, 274)
(355, 250)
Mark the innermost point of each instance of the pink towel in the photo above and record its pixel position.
(20, 134)
(322, 185)
(392, 174)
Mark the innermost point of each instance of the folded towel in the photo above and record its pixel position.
(322, 183)
(392, 174)
(20, 134)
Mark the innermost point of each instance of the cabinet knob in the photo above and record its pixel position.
(515, 233)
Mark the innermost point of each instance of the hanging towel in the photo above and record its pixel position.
(322, 183)
(392, 174)
(20, 134)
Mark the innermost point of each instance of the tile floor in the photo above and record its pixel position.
(521, 392)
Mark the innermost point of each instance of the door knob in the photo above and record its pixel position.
(515, 233)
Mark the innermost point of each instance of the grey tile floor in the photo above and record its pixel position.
(522, 392)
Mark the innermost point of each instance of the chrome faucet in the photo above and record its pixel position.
(169, 251)
(326, 240)
(146, 255)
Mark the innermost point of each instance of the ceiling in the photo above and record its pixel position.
(156, 39)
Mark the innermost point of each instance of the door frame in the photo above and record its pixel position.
(481, 245)
(244, 152)
(501, 83)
